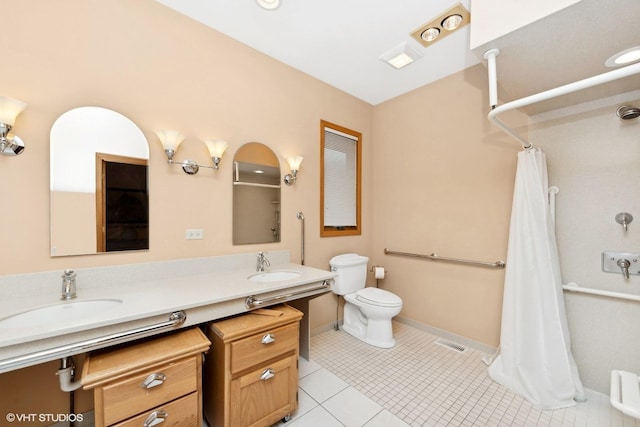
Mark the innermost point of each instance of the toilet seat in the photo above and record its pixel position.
(378, 297)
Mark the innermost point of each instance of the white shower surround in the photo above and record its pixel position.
(594, 158)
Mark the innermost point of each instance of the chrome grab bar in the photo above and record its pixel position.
(175, 319)
(253, 302)
(435, 257)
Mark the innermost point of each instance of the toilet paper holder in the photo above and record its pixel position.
(375, 267)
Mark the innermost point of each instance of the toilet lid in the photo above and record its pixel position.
(379, 297)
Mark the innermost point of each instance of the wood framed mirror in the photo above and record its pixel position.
(340, 180)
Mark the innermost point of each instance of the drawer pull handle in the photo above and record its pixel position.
(268, 373)
(155, 418)
(153, 380)
(268, 339)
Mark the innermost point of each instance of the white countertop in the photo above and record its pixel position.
(203, 297)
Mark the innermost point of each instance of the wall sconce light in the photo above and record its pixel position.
(216, 149)
(171, 139)
(294, 164)
(10, 145)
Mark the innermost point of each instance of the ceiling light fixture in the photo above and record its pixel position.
(443, 25)
(430, 34)
(624, 57)
(400, 56)
(452, 22)
(269, 4)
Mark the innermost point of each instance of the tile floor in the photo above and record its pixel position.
(420, 383)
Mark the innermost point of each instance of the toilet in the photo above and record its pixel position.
(367, 311)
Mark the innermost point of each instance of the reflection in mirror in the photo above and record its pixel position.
(340, 182)
(256, 195)
(99, 192)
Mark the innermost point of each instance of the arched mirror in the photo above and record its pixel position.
(256, 195)
(99, 192)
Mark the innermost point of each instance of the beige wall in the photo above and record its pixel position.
(161, 70)
(443, 183)
(442, 175)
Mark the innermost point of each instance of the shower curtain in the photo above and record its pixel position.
(535, 359)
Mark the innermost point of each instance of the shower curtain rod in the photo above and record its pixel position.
(434, 257)
(596, 80)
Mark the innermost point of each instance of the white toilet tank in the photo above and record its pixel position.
(352, 273)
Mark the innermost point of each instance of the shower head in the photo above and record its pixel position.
(300, 215)
(626, 113)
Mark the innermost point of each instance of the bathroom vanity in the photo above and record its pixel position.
(148, 382)
(251, 375)
(144, 300)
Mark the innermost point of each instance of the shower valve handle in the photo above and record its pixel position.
(624, 264)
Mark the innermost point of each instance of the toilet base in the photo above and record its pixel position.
(362, 337)
(375, 332)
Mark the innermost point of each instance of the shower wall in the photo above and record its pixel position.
(594, 158)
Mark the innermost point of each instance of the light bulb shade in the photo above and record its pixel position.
(9, 109)
(269, 4)
(216, 147)
(430, 34)
(295, 162)
(170, 139)
(452, 22)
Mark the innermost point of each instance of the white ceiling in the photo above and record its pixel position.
(570, 45)
(339, 41)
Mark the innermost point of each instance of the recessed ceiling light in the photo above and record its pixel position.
(269, 4)
(430, 34)
(443, 25)
(452, 22)
(624, 57)
(401, 56)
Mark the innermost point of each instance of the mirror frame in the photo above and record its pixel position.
(333, 231)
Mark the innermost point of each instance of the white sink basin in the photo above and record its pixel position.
(274, 276)
(59, 313)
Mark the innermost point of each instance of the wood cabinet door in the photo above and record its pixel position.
(266, 394)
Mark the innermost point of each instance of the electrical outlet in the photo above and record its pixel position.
(194, 234)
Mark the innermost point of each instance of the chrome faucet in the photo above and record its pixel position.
(262, 261)
(68, 285)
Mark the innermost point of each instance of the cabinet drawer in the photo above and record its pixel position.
(128, 397)
(179, 413)
(266, 345)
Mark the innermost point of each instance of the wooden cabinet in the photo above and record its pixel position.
(251, 374)
(153, 381)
